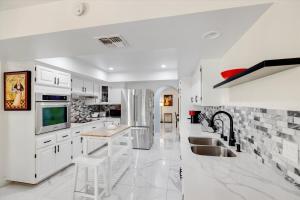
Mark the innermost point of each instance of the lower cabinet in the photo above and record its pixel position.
(77, 146)
(56, 150)
(63, 154)
(45, 162)
(53, 158)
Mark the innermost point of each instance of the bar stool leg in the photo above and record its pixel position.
(86, 177)
(75, 180)
(96, 183)
(103, 170)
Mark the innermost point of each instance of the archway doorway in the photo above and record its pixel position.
(166, 109)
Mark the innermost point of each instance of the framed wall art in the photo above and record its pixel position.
(168, 100)
(17, 91)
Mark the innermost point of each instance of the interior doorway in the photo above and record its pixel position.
(166, 103)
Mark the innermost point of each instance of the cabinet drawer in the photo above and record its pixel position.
(63, 135)
(77, 131)
(45, 141)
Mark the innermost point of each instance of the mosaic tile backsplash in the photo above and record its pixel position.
(263, 133)
(80, 112)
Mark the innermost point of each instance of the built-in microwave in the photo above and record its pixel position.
(52, 112)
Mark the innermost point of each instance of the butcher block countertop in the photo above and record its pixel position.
(105, 132)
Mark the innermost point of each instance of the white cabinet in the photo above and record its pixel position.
(114, 95)
(63, 154)
(63, 79)
(97, 92)
(51, 77)
(77, 147)
(45, 162)
(82, 87)
(206, 75)
(77, 85)
(196, 94)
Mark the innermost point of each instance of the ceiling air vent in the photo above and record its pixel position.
(115, 41)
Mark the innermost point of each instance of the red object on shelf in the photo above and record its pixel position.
(192, 113)
(232, 72)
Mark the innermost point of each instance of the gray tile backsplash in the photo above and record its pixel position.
(261, 132)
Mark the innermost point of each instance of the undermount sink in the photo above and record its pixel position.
(205, 141)
(212, 151)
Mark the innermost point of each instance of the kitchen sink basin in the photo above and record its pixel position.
(205, 141)
(212, 151)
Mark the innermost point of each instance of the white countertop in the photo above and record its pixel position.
(236, 178)
(106, 132)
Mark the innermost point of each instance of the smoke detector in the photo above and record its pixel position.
(114, 41)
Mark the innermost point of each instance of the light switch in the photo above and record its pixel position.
(290, 151)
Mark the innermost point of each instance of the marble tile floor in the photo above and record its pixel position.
(153, 175)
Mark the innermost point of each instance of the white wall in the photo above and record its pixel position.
(2, 130)
(153, 85)
(274, 35)
(143, 76)
(35, 19)
(170, 109)
(185, 88)
(13, 132)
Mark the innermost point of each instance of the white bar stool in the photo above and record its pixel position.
(100, 179)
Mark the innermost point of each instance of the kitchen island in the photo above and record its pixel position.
(117, 148)
(236, 178)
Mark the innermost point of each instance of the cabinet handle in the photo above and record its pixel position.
(85, 89)
(65, 136)
(77, 132)
(192, 99)
(47, 141)
(55, 80)
(196, 98)
(57, 148)
(94, 127)
(82, 89)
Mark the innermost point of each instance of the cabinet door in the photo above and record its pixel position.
(63, 154)
(45, 76)
(114, 96)
(89, 87)
(77, 146)
(77, 85)
(63, 79)
(97, 92)
(45, 162)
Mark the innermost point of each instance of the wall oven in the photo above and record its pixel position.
(53, 112)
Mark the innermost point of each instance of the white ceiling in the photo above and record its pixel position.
(174, 41)
(13, 4)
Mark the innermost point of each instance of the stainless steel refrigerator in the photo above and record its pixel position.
(137, 109)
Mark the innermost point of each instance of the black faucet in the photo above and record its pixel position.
(222, 134)
(231, 133)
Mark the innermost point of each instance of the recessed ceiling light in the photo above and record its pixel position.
(210, 35)
(163, 66)
(111, 69)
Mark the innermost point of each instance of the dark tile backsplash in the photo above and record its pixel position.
(261, 132)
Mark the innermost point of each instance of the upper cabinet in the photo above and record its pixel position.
(114, 96)
(81, 86)
(50, 77)
(196, 97)
(203, 80)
